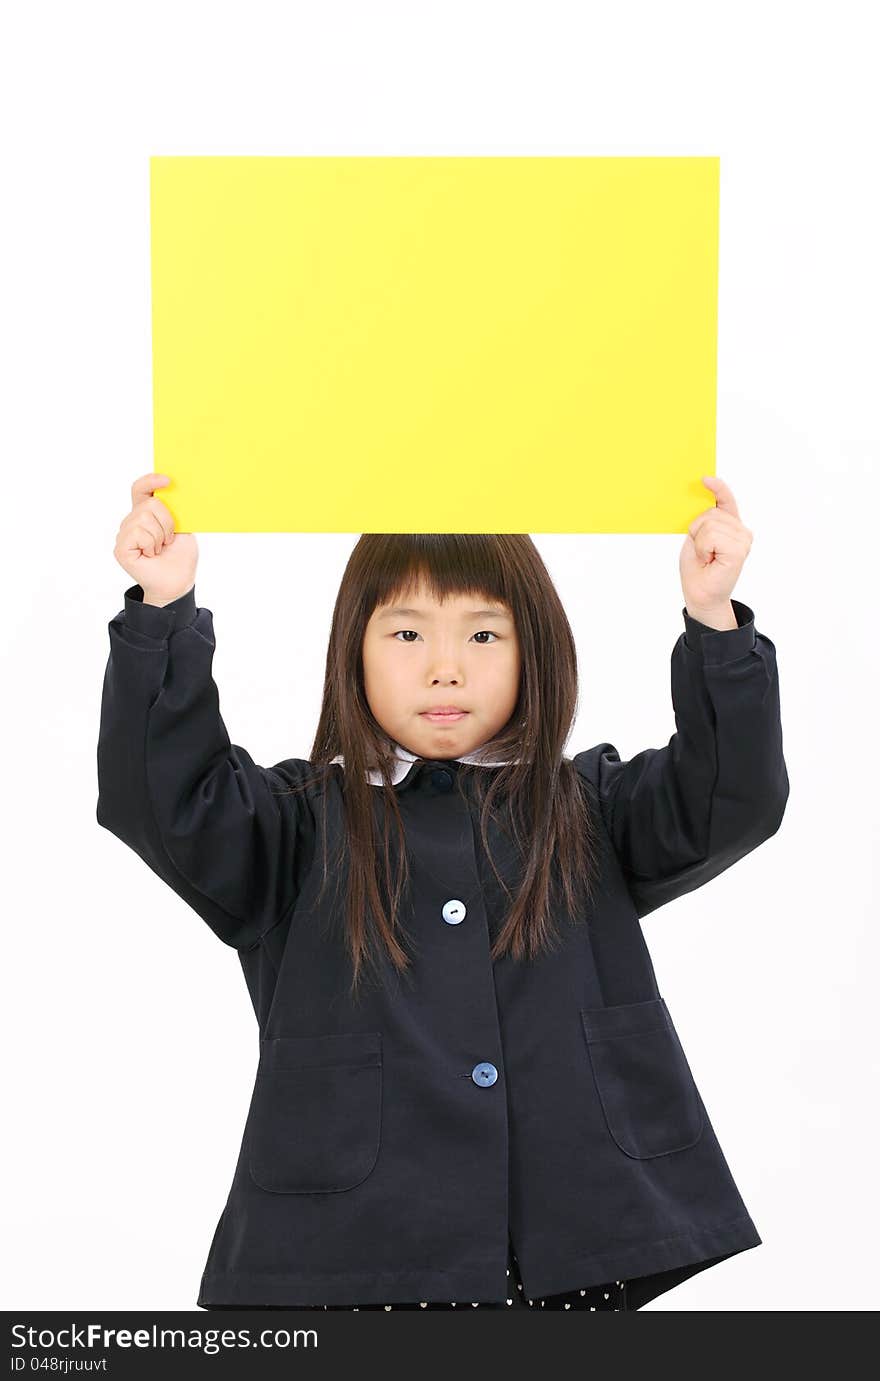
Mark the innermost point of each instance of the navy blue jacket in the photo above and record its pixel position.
(394, 1142)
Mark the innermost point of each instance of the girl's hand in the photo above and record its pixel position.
(713, 553)
(147, 548)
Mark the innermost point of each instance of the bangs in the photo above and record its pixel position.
(442, 564)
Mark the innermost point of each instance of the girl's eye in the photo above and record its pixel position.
(484, 632)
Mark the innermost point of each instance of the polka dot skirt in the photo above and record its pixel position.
(611, 1295)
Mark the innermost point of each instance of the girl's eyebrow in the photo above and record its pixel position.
(426, 614)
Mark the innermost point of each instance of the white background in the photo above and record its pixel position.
(129, 1036)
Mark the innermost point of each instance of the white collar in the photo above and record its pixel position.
(404, 760)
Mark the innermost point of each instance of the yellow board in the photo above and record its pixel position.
(434, 344)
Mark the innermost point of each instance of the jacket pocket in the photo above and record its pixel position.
(644, 1082)
(315, 1117)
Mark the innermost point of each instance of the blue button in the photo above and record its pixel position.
(484, 1074)
(441, 779)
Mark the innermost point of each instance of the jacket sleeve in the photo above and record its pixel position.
(198, 810)
(679, 815)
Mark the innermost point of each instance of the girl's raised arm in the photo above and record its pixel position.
(196, 807)
(679, 815)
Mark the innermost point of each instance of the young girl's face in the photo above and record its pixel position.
(418, 654)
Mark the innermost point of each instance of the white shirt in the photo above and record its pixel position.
(404, 759)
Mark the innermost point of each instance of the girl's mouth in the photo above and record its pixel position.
(443, 717)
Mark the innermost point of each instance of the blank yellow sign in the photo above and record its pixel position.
(434, 344)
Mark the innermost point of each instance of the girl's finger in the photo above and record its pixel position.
(723, 494)
(145, 484)
(721, 545)
(146, 532)
(714, 515)
(162, 512)
(149, 540)
(714, 531)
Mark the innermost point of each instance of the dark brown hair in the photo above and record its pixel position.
(537, 796)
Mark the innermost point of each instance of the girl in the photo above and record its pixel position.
(469, 1090)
